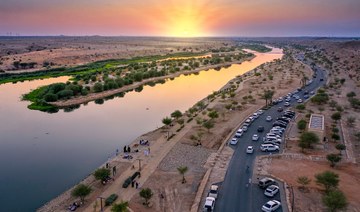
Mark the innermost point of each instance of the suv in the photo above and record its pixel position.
(269, 147)
(265, 182)
(213, 191)
(209, 204)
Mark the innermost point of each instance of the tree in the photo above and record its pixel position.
(182, 170)
(328, 179)
(81, 191)
(336, 116)
(340, 147)
(300, 107)
(301, 125)
(303, 80)
(268, 94)
(335, 200)
(102, 174)
(307, 139)
(166, 121)
(120, 207)
(333, 159)
(176, 114)
(201, 105)
(213, 114)
(303, 181)
(350, 121)
(208, 125)
(98, 87)
(146, 193)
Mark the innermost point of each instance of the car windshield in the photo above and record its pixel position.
(213, 191)
(267, 205)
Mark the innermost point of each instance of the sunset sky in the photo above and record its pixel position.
(181, 17)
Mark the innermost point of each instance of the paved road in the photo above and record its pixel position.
(234, 195)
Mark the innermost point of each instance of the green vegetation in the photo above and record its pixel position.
(81, 191)
(320, 98)
(111, 74)
(333, 159)
(307, 139)
(256, 47)
(303, 181)
(182, 170)
(102, 174)
(301, 125)
(120, 207)
(146, 193)
(328, 179)
(335, 200)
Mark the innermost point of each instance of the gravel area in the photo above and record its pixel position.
(194, 157)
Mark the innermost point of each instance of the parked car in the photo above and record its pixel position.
(279, 124)
(234, 141)
(287, 104)
(271, 205)
(265, 182)
(250, 149)
(244, 128)
(299, 101)
(255, 137)
(209, 204)
(255, 115)
(260, 112)
(271, 190)
(268, 118)
(260, 129)
(239, 133)
(213, 191)
(269, 147)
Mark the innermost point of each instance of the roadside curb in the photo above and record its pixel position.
(200, 191)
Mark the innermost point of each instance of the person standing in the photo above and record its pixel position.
(128, 149)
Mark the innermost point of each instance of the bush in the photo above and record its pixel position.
(110, 199)
(98, 87)
(300, 107)
(301, 124)
(51, 97)
(65, 94)
(335, 200)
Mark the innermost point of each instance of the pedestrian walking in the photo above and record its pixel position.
(128, 149)
(133, 183)
(114, 170)
(136, 185)
(125, 149)
(149, 150)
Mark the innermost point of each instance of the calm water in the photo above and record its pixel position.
(42, 155)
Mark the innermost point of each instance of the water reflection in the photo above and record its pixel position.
(48, 153)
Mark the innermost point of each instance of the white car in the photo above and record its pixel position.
(250, 149)
(299, 101)
(244, 128)
(287, 104)
(209, 204)
(234, 141)
(271, 205)
(269, 147)
(213, 191)
(255, 115)
(271, 191)
(260, 112)
(239, 133)
(255, 137)
(268, 118)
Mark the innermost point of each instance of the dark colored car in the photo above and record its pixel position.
(260, 129)
(279, 124)
(280, 109)
(321, 79)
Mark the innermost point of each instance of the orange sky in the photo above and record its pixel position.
(181, 17)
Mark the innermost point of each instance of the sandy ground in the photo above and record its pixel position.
(159, 168)
(72, 51)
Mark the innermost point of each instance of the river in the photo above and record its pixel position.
(43, 154)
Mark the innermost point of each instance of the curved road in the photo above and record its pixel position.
(234, 195)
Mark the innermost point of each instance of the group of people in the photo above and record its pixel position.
(74, 206)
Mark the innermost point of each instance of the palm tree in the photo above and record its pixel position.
(146, 193)
(182, 170)
(121, 207)
(268, 95)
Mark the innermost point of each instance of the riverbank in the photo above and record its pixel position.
(159, 169)
(104, 94)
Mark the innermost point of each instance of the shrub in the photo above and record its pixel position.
(335, 200)
(51, 97)
(301, 124)
(65, 94)
(300, 107)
